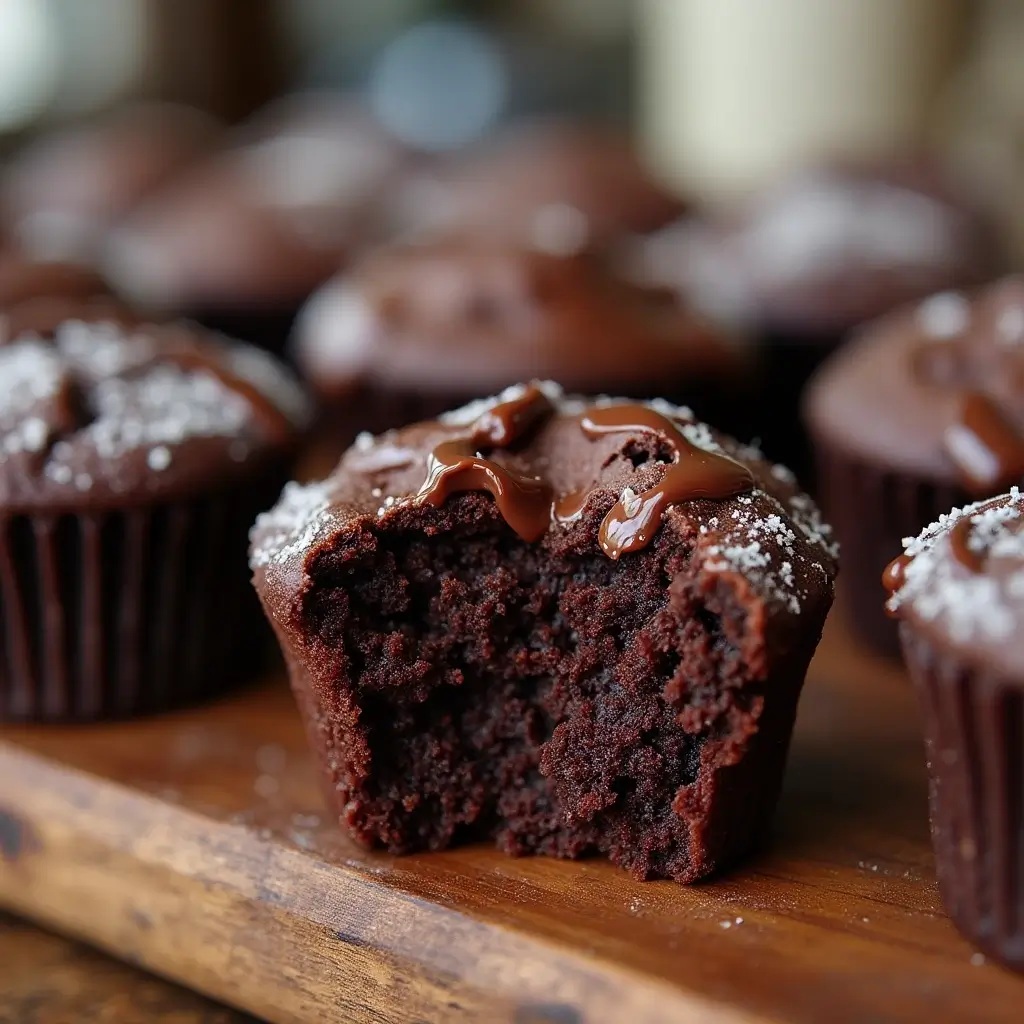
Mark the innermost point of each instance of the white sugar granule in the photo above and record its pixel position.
(969, 605)
(291, 526)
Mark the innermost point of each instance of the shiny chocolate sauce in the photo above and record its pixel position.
(895, 572)
(987, 450)
(457, 465)
(693, 473)
(528, 504)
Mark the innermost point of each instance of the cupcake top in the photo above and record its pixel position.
(827, 250)
(962, 581)
(605, 475)
(35, 294)
(560, 184)
(470, 313)
(95, 414)
(23, 279)
(936, 390)
(60, 193)
(265, 220)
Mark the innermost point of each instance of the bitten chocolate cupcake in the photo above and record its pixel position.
(61, 193)
(131, 465)
(958, 592)
(920, 413)
(814, 257)
(564, 625)
(417, 327)
(242, 239)
(559, 183)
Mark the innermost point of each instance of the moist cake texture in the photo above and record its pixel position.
(570, 626)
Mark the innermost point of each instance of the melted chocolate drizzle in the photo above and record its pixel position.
(959, 543)
(457, 465)
(895, 572)
(527, 503)
(985, 447)
(694, 473)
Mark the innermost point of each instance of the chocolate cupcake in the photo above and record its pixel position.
(61, 193)
(816, 256)
(242, 239)
(417, 327)
(958, 592)
(566, 626)
(559, 183)
(131, 465)
(34, 294)
(920, 413)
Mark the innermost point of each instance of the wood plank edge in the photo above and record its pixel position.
(277, 931)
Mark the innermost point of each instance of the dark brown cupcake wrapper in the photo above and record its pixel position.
(974, 736)
(871, 511)
(109, 614)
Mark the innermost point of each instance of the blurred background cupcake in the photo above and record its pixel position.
(791, 172)
(418, 326)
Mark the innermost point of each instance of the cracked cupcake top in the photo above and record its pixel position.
(98, 413)
(611, 472)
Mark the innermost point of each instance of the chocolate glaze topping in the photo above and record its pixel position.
(527, 503)
(934, 390)
(693, 473)
(895, 573)
(985, 446)
(513, 454)
(963, 582)
(524, 502)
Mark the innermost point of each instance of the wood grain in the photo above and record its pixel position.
(45, 979)
(196, 845)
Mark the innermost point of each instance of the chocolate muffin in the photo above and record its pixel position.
(34, 294)
(567, 626)
(132, 462)
(920, 413)
(559, 183)
(958, 592)
(242, 239)
(417, 327)
(815, 256)
(62, 192)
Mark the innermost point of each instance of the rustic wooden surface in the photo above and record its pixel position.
(196, 845)
(45, 979)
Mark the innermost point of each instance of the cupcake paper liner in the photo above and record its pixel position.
(974, 736)
(110, 614)
(871, 511)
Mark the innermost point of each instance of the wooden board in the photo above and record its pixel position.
(195, 845)
(46, 979)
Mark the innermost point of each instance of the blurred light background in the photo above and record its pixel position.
(723, 94)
